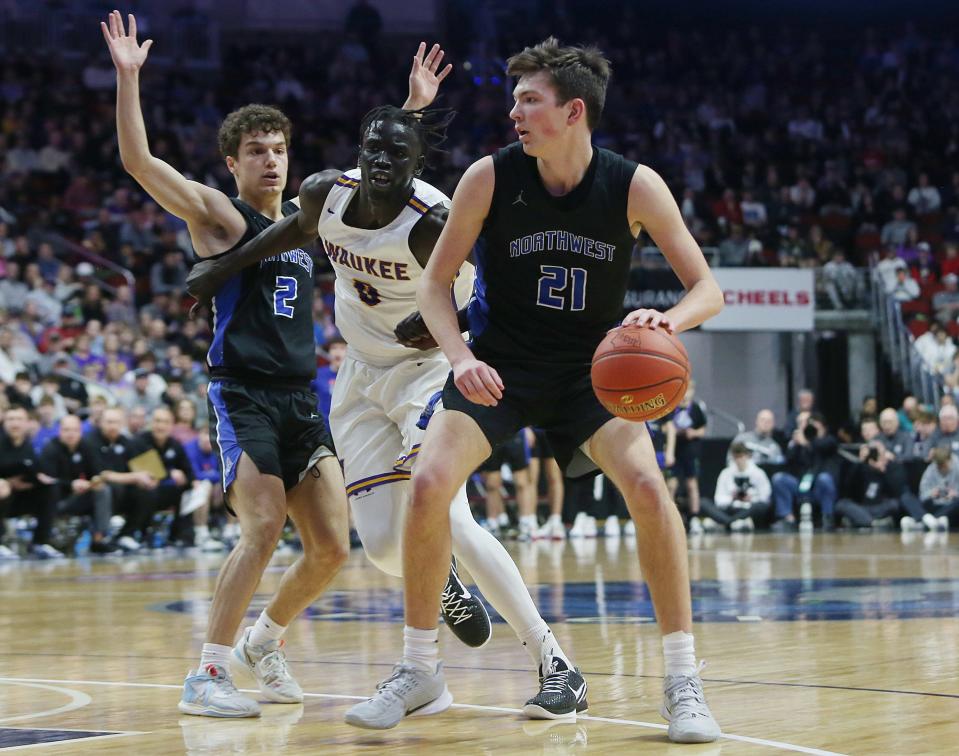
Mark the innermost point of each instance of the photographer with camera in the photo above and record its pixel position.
(812, 465)
(878, 488)
(742, 494)
(939, 489)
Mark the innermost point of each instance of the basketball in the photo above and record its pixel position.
(640, 373)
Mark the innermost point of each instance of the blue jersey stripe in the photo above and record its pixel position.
(224, 305)
(230, 450)
(478, 310)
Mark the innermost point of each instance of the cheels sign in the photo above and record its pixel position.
(765, 299)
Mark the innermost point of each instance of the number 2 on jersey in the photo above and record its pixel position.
(555, 290)
(283, 295)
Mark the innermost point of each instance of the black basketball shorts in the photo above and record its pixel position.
(514, 452)
(557, 399)
(281, 430)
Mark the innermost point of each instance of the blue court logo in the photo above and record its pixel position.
(713, 601)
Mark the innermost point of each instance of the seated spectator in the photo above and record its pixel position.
(322, 385)
(759, 442)
(812, 470)
(877, 489)
(48, 427)
(805, 402)
(742, 494)
(841, 281)
(939, 489)
(114, 449)
(950, 262)
(208, 486)
(924, 197)
(947, 434)
(734, 250)
(896, 231)
(908, 412)
(945, 303)
(79, 488)
(24, 484)
(888, 266)
(924, 428)
(184, 429)
(169, 275)
(936, 348)
(895, 439)
(905, 288)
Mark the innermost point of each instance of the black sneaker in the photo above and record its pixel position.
(562, 693)
(464, 613)
(103, 547)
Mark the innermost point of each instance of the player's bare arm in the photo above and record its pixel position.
(471, 204)
(651, 206)
(412, 330)
(426, 76)
(294, 231)
(214, 224)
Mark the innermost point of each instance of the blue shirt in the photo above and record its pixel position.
(205, 466)
(323, 386)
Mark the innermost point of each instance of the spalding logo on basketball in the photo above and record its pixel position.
(640, 373)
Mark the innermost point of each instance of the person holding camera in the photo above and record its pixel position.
(812, 468)
(939, 489)
(878, 489)
(742, 494)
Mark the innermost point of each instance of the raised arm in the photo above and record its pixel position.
(652, 205)
(424, 79)
(204, 209)
(294, 231)
(471, 204)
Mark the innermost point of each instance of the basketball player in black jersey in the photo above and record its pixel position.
(276, 452)
(553, 220)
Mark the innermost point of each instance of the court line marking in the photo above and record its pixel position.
(78, 699)
(69, 740)
(586, 673)
(476, 707)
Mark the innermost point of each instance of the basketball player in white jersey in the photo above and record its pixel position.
(378, 224)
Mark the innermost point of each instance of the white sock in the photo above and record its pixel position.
(540, 644)
(214, 653)
(266, 630)
(554, 518)
(503, 520)
(679, 653)
(529, 521)
(201, 533)
(421, 647)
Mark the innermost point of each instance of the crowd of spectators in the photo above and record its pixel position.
(783, 148)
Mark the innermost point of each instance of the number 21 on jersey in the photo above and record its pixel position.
(562, 288)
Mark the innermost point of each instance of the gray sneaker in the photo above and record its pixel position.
(409, 692)
(684, 707)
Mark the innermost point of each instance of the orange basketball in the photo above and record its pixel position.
(640, 373)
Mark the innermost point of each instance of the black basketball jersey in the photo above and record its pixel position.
(263, 316)
(551, 272)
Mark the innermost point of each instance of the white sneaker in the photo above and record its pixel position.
(748, 525)
(930, 521)
(8, 554)
(128, 543)
(711, 526)
(409, 692)
(211, 545)
(527, 529)
(46, 551)
(611, 528)
(908, 524)
(580, 526)
(695, 526)
(267, 664)
(735, 526)
(629, 529)
(552, 530)
(943, 523)
(684, 707)
(211, 693)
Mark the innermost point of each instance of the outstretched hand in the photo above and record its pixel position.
(426, 76)
(127, 54)
(412, 332)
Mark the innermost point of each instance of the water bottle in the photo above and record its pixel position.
(82, 545)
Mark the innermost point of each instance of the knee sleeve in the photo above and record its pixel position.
(379, 516)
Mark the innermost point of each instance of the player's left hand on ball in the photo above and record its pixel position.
(649, 319)
(412, 332)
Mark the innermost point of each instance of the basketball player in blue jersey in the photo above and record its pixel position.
(552, 220)
(277, 455)
(378, 224)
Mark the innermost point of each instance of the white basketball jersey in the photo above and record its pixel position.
(376, 272)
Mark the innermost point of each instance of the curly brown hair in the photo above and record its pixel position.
(580, 72)
(251, 119)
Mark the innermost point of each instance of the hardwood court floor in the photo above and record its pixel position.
(843, 643)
